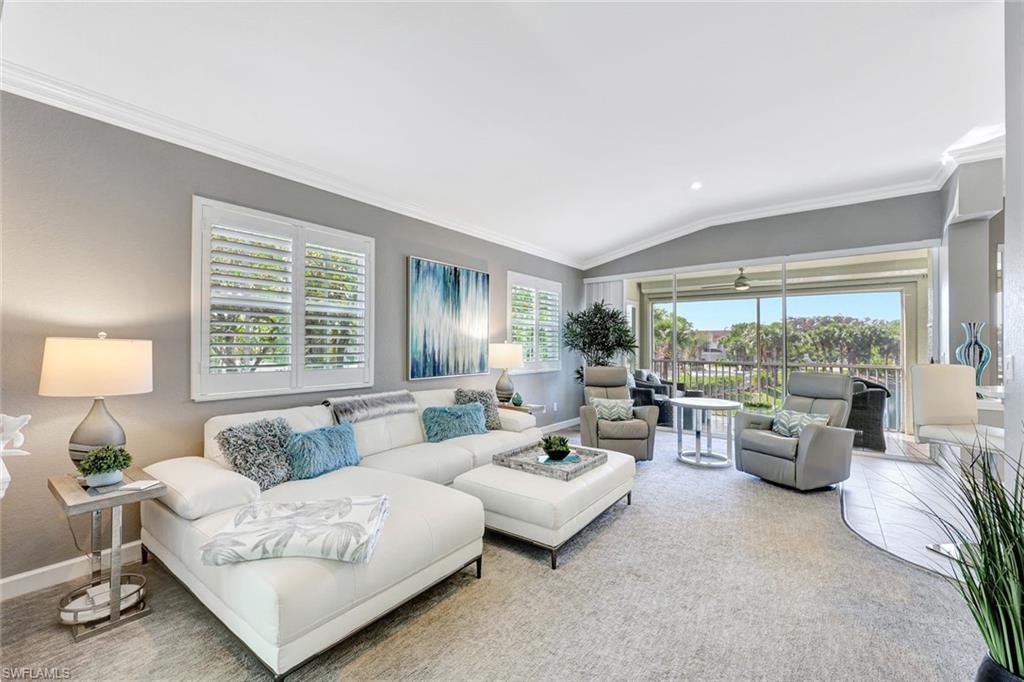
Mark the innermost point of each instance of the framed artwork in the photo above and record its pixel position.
(449, 319)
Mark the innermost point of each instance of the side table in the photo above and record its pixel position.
(529, 409)
(703, 407)
(87, 619)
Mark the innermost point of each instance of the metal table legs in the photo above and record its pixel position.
(702, 456)
(82, 623)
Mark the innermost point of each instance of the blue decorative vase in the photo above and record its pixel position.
(972, 352)
(517, 400)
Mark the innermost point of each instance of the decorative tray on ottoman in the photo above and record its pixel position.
(534, 461)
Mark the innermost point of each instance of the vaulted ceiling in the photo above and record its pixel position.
(574, 131)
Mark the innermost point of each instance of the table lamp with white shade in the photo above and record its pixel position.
(505, 356)
(96, 368)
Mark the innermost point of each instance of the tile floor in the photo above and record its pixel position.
(885, 501)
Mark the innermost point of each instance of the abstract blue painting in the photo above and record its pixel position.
(449, 318)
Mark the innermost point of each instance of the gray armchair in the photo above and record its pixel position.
(821, 455)
(632, 436)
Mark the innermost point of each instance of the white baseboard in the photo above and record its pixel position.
(61, 572)
(558, 426)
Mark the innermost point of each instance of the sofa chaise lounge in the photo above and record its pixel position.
(288, 610)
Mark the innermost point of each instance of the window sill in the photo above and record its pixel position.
(518, 372)
(277, 391)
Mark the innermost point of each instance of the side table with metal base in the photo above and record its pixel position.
(703, 407)
(87, 610)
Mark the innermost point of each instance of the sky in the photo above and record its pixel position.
(882, 305)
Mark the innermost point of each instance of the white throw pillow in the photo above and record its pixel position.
(197, 487)
(613, 409)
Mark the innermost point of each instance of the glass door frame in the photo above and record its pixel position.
(908, 346)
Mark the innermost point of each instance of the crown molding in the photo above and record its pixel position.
(25, 82)
(936, 181)
(985, 151)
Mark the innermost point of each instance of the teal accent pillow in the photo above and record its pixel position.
(452, 421)
(314, 453)
(790, 422)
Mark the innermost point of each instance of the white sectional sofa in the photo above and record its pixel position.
(288, 610)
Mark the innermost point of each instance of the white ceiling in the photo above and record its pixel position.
(568, 130)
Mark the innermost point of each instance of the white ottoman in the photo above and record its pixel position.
(545, 511)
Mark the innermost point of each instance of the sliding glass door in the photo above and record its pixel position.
(737, 335)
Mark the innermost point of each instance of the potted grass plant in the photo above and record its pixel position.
(985, 529)
(104, 465)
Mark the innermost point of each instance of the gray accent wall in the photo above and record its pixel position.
(96, 236)
(913, 218)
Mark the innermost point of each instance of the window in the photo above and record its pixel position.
(535, 320)
(279, 305)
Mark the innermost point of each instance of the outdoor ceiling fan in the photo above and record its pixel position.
(741, 283)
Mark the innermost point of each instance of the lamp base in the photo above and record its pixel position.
(504, 389)
(99, 428)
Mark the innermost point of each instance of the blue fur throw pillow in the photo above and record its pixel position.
(452, 421)
(314, 453)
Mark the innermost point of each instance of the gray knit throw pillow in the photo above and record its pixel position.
(257, 450)
(465, 396)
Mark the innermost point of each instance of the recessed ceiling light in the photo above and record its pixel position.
(696, 185)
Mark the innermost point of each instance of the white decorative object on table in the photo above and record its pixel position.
(11, 439)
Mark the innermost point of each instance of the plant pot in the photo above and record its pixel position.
(557, 455)
(104, 478)
(990, 671)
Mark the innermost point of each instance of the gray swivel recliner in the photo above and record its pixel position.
(821, 455)
(631, 436)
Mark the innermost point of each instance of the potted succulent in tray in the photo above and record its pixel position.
(104, 465)
(556, 447)
(986, 494)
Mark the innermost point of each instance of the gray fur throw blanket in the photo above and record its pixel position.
(357, 408)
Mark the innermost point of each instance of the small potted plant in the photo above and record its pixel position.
(556, 447)
(104, 465)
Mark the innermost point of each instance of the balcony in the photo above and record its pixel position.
(763, 386)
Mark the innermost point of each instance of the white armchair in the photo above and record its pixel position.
(946, 408)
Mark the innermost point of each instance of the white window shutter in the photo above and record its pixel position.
(523, 327)
(279, 305)
(549, 326)
(337, 321)
(535, 320)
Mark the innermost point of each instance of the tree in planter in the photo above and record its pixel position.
(599, 334)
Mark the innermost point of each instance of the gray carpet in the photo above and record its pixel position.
(710, 575)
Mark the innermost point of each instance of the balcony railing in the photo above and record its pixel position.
(754, 384)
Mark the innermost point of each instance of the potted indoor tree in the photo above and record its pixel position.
(986, 536)
(104, 465)
(600, 334)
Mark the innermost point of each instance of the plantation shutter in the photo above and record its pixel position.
(535, 320)
(549, 322)
(250, 302)
(336, 323)
(279, 305)
(523, 329)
